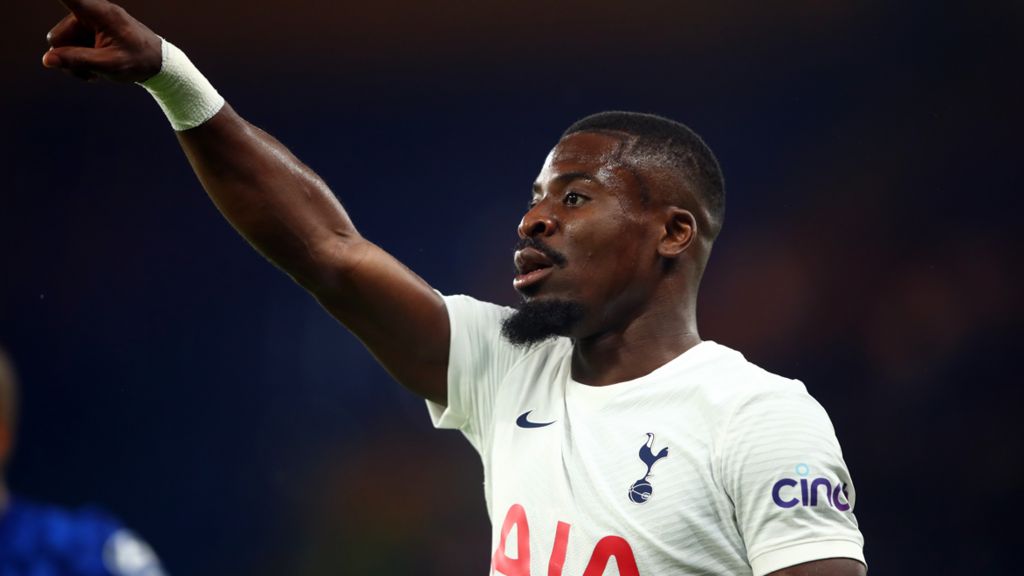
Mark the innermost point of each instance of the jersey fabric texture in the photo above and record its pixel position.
(708, 465)
(43, 540)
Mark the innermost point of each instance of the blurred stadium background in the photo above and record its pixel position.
(871, 248)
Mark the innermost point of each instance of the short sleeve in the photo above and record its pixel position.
(478, 360)
(783, 469)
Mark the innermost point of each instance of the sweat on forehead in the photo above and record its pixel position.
(592, 148)
(654, 144)
(600, 157)
(614, 155)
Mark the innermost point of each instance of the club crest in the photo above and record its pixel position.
(641, 490)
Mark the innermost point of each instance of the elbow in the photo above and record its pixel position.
(331, 262)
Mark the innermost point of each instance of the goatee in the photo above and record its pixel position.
(537, 320)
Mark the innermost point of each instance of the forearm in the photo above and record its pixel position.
(287, 213)
(274, 200)
(277, 203)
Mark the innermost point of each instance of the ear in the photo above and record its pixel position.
(680, 231)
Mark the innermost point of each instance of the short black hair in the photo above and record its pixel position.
(683, 149)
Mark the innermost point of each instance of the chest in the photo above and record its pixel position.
(633, 471)
(636, 461)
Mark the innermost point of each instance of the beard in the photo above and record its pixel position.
(537, 320)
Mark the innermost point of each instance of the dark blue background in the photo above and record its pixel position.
(871, 152)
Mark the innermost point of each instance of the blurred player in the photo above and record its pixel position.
(614, 440)
(44, 540)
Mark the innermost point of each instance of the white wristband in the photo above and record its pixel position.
(185, 95)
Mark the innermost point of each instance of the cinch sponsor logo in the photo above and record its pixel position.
(786, 495)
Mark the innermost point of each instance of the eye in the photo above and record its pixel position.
(574, 199)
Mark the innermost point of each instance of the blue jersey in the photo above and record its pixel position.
(43, 540)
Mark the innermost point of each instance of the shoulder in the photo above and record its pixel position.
(749, 399)
(46, 530)
(735, 382)
(88, 539)
(474, 324)
(460, 305)
(476, 331)
(40, 518)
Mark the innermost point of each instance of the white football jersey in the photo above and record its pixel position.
(708, 465)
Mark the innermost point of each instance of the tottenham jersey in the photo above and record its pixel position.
(708, 465)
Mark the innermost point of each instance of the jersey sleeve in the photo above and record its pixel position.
(478, 360)
(783, 469)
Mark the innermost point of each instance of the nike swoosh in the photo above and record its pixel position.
(522, 422)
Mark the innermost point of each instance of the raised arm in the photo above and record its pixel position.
(278, 204)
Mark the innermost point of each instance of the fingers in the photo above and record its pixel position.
(59, 33)
(80, 61)
(85, 7)
(100, 39)
(95, 13)
(70, 32)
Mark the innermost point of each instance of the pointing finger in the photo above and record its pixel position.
(61, 28)
(94, 12)
(70, 31)
(84, 7)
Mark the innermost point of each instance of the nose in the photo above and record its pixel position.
(536, 223)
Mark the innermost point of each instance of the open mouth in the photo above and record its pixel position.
(532, 266)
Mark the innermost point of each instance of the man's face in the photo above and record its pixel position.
(588, 238)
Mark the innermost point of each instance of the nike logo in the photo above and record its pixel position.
(523, 422)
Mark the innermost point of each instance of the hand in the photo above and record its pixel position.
(100, 39)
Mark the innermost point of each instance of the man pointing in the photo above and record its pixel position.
(614, 440)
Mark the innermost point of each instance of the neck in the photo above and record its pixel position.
(648, 342)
